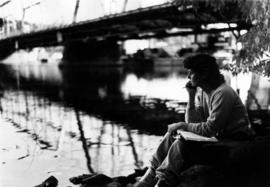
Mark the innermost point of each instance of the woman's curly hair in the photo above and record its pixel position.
(205, 64)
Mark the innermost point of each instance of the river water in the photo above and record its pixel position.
(68, 121)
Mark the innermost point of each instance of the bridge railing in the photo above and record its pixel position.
(14, 25)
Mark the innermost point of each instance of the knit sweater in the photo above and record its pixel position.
(220, 113)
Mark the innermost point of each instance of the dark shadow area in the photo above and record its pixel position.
(98, 92)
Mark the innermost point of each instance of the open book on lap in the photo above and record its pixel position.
(190, 136)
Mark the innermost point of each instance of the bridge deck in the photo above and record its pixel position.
(141, 23)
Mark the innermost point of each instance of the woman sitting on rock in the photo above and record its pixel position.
(214, 109)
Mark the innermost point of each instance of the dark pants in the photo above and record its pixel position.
(174, 156)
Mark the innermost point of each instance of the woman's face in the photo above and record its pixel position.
(194, 78)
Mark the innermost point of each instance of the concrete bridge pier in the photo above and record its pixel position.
(92, 52)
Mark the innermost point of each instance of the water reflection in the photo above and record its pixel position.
(84, 145)
(169, 88)
(80, 120)
(106, 94)
(73, 142)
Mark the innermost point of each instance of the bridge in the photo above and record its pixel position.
(167, 19)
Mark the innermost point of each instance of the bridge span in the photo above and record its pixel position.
(169, 19)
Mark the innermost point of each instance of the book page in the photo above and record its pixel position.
(195, 137)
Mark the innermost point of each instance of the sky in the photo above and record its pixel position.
(61, 11)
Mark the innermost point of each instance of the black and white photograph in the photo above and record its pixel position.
(134, 93)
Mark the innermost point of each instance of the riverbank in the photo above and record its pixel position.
(25, 162)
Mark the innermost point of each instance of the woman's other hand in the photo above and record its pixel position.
(172, 128)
